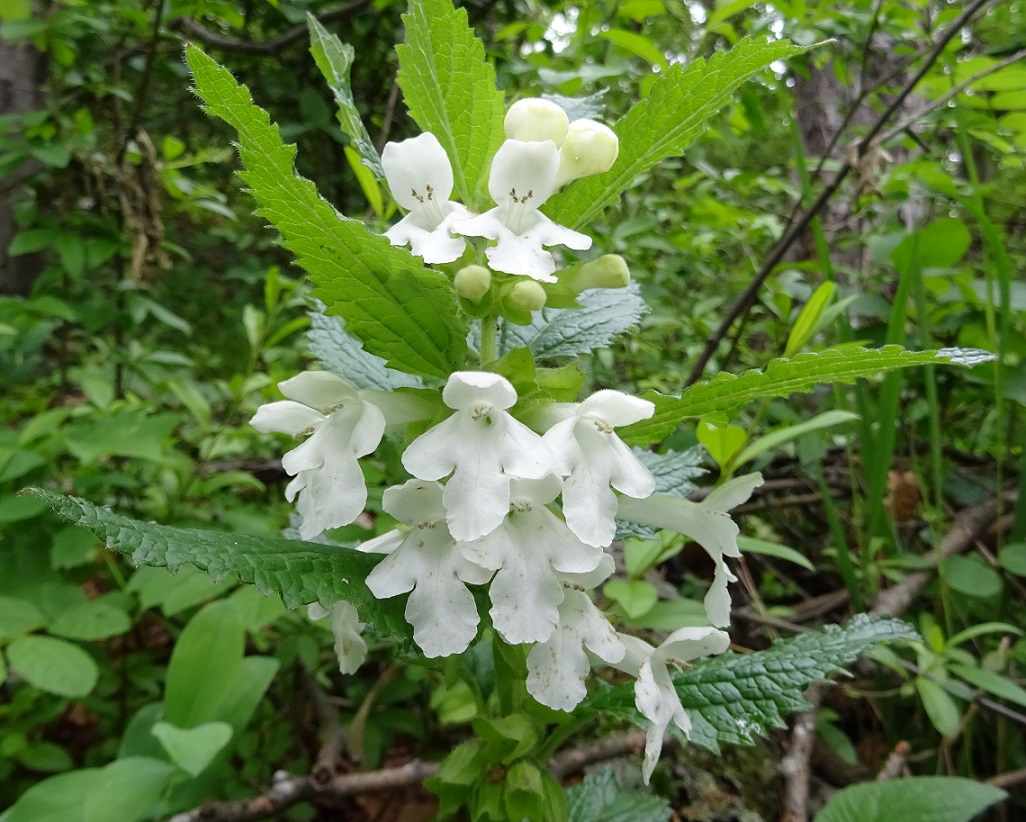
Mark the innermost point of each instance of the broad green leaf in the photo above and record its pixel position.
(334, 59)
(566, 332)
(126, 789)
(192, 749)
(638, 45)
(636, 596)
(302, 572)
(449, 89)
(343, 355)
(726, 393)
(941, 244)
(1012, 558)
(827, 419)
(400, 310)
(53, 665)
(368, 183)
(665, 123)
(721, 441)
(175, 592)
(599, 798)
(95, 619)
(733, 698)
(918, 799)
(971, 576)
(18, 616)
(57, 799)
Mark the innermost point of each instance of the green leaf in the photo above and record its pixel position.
(665, 123)
(733, 698)
(918, 799)
(751, 545)
(302, 572)
(990, 681)
(673, 470)
(808, 319)
(193, 749)
(726, 393)
(941, 244)
(449, 89)
(57, 799)
(334, 59)
(53, 665)
(343, 355)
(18, 616)
(637, 45)
(400, 310)
(566, 332)
(599, 798)
(971, 576)
(940, 707)
(126, 789)
(91, 620)
(827, 419)
(1012, 558)
(722, 442)
(635, 596)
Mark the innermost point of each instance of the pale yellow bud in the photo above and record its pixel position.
(473, 282)
(589, 148)
(608, 271)
(534, 120)
(527, 295)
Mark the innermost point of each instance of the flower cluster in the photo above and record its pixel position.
(521, 516)
(542, 152)
(479, 510)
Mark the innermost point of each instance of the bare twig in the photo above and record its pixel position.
(747, 298)
(1009, 781)
(963, 532)
(334, 737)
(135, 119)
(567, 762)
(796, 766)
(895, 763)
(265, 48)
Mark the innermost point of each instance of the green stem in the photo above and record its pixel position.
(489, 335)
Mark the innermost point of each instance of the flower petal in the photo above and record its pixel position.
(616, 408)
(466, 389)
(318, 389)
(524, 170)
(417, 168)
(286, 417)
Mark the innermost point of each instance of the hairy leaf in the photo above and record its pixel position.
(302, 572)
(401, 311)
(449, 89)
(663, 124)
(566, 332)
(726, 393)
(733, 698)
(343, 355)
(334, 59)
(919, 799)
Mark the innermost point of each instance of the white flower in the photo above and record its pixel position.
(343, 427)
(350, 647)
(708, 524)
(557, 668)
(441, 608)
(522, 178)
(592, 457)
(483, 447)
(654, 694)
(588, 148)
(420, 177)
(527, 549)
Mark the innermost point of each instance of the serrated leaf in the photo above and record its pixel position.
(334, 59)
(343, 355)
(302, 572)
(566, 332)
(449, 89)
(918, 799)
(599, 798)
(665, 123)
(727, 393)
(401, 311)
(674, 470)
(733, 698)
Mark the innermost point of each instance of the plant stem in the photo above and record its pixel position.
(489, 333)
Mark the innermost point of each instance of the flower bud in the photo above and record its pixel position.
(533, 120)
(608, 271)
(473, 282)
(527, 295)
(589, 148)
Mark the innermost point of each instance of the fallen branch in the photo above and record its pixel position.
(895, 763)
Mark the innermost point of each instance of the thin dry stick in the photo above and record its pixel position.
(333, 740)
(747, 298)
(796, 766)
(895, 763)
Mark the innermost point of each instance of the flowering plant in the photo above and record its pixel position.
(464, 328)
